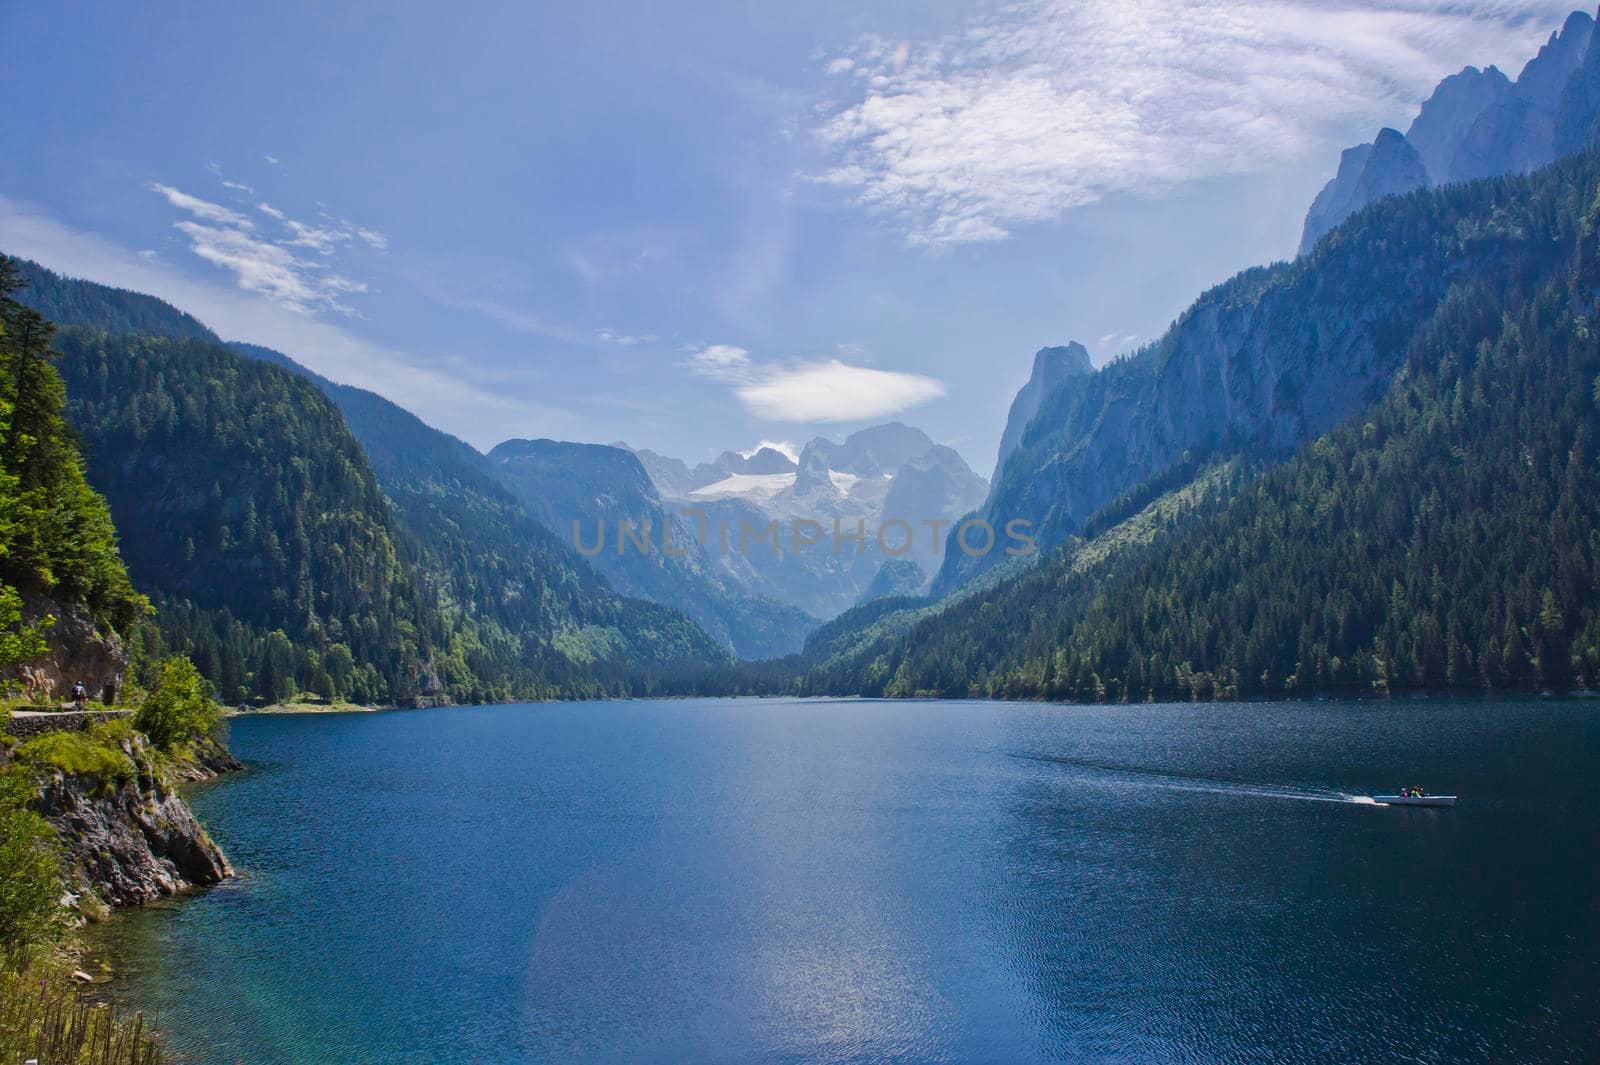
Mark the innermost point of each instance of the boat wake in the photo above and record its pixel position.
(1161, 778)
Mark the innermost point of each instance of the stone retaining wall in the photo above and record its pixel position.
(27, 725)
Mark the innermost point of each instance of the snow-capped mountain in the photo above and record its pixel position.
(890, 473)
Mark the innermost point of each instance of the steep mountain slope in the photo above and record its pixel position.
(239, 490)
(597, 487)
(1260, 364)
(1051, 368)
(1389, 166)
(507, 611)
(1447, 535)
(1448, 115)
(535, 610)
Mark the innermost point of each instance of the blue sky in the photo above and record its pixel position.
(694, 227)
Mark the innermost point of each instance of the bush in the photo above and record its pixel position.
(30, 879)
(180, 709)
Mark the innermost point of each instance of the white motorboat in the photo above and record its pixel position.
(1415, 800)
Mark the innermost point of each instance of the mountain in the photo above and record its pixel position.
(1389, 166)
(532, 610)
(896, 578)
(1448, 116)
(891, 473)
(504, 608)
(1444, 532)
(578, 490)
(239, 491)
(1577, 122)
(1051, 367)
(1476, 124)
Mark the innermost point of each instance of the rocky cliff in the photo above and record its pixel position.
(80, 650)
(1388, 166)
(129, 837)
(1051, 366)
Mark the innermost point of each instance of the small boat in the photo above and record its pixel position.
(1415, 800)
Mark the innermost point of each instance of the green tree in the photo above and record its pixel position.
(179, 709)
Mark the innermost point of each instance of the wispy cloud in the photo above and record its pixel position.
(264, 262)
(1046, 105)
(827, 390)
(722, 362)
(625, 340)
(204, 210)
(451, 399)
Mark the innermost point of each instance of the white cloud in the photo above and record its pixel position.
(833, 391)
(204, 210)
(782, 447)
(625, 340)
(1046, 105)
(263, 264)
(450, 400)
(721, 362)
(816, 391)
(318, 238)
(375, 240)
(272, 159)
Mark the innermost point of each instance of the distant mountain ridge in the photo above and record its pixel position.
(1476, 124)
(582, 491)
(884, 473)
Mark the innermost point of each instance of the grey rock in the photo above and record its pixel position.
(1448, 115)
(130, 842)
(1051, 366)
(1389, 166)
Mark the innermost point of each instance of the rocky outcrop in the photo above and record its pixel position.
(1448, 115)
(134, 840)
(80, 650)
(1051, 367)
(1577, 122)
(1476, 124)
(1388, 166)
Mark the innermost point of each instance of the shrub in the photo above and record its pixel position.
(30, 878)
(180, 709)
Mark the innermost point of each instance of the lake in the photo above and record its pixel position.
(844, 881)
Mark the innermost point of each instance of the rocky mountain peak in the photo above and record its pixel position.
(1051, 367)
(1547, 73)
(1449, 113)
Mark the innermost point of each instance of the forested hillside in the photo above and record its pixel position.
(247, 510)
(1447, 536)
(285, 563)
(1271, 359)
(533, 607)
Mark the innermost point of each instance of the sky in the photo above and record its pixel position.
(699, 227)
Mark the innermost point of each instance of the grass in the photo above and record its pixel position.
(92, 753)
(42, 1017)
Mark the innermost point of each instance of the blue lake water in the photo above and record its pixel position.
(821, 881)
